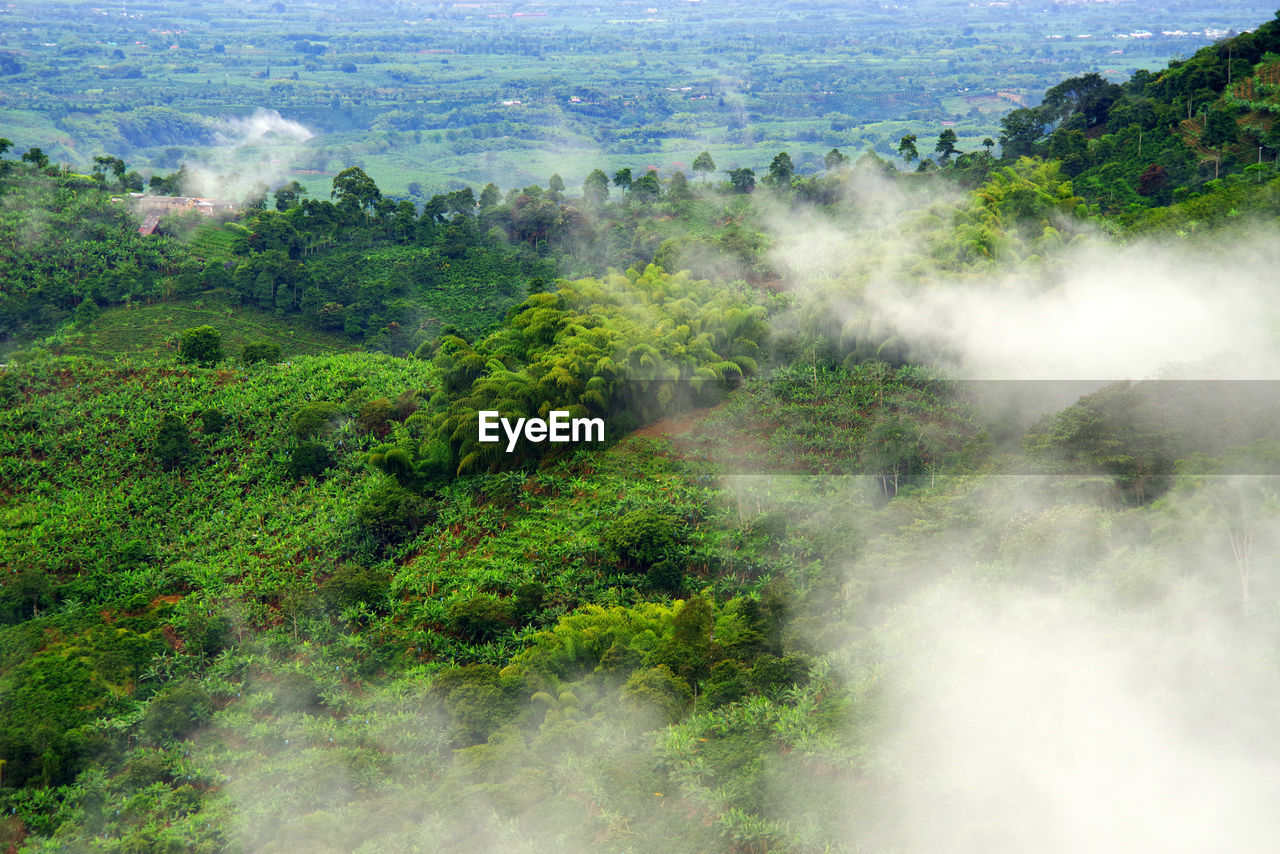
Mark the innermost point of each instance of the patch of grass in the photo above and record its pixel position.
(150, 330)
(211, 242)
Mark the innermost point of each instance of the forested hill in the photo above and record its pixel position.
(463, 258)
(1154, 138)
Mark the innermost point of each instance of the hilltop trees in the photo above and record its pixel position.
(627, 347)
(288, 195)
(352, 186)
(646, 188)
(36, 158)
(742, 179)
(1021, 131)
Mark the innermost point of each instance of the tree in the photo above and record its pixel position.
(213, 421)
(102, 163)
(391, 512)
(5, 144)
(622, 178)
(595, 189)
(946, 144)
(1089, 96)
(647, 188)
(743, 179)
(1153, 182)
(835, 160)
(1021, 131)
(781, 170)
(288, 196)
(37, 158)
(678, 186)
(988, 143)
(173, 446)
(490, 195)
(201, 345)
(907, 148)
(704, 164)
(555, 183)
(172, 185)
(353, 186)
(1220, 130)
(1220, 127)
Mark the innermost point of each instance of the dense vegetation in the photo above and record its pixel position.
(264, 589)
(511, 94)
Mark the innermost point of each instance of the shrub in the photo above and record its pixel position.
(201, 345)
(260, 351)
(666, 576)
(315, 419)
(658, 695)
(309, 458)
(295, 691)
(406, 404)
(176, 711)
(479, 618)
(23, 595)
(353, 584)
(375, 416)
(641, 539)
(392, 513)
(478, 700)
(87, 312)
(173, 446)
(205, 634)
(528, 599)
(213, 421)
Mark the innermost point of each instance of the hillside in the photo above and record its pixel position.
(932, 508)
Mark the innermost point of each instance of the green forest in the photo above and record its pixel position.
(937, 508)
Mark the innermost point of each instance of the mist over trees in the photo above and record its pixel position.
(935, 509)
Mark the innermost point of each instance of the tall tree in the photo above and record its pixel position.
(678, 186)
(353, 186)
(622, 178)
(490, 195)
(704, 164)
(287, 196)
(946, 144)
(1022, 130)
(647, 188)
(595, 189)
(173, 446)
(781, 170)
(907, 148)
